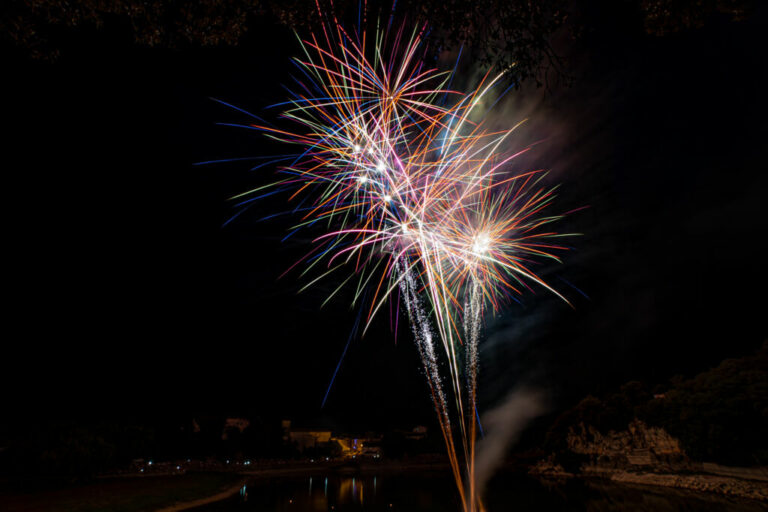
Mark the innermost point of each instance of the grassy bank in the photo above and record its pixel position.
(119, 494)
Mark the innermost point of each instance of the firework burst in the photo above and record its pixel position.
(419, 202)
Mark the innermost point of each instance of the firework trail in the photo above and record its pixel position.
(418, 200)
(422, 334)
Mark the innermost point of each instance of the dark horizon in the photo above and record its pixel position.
(130, 300)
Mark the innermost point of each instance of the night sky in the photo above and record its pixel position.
(127, 298)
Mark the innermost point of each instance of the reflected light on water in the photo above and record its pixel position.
(425, 493)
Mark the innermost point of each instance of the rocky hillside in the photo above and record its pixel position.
(705, 433)
(650, 456)
(639, 445)
(720, 415)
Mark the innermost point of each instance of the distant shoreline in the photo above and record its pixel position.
(700, 482)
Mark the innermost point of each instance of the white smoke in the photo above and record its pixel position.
(503, 426)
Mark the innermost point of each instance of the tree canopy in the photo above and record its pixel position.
(720, 415)
(514, 35)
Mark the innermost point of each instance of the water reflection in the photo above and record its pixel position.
(425, 493)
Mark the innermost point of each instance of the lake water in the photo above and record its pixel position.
(411, 492)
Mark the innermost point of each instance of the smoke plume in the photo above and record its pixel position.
(503, 426)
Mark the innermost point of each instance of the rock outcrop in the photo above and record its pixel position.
(637, 447)
(650, 456)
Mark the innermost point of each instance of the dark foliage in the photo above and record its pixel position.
(663, 17)
(720, 415)
(513, 35)
(74, 450)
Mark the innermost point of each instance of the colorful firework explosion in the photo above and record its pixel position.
(419, 202)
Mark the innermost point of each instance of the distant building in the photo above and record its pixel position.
(236, 423)
(305, 438)
(349, 445)
(367, 446)
(232, 424)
